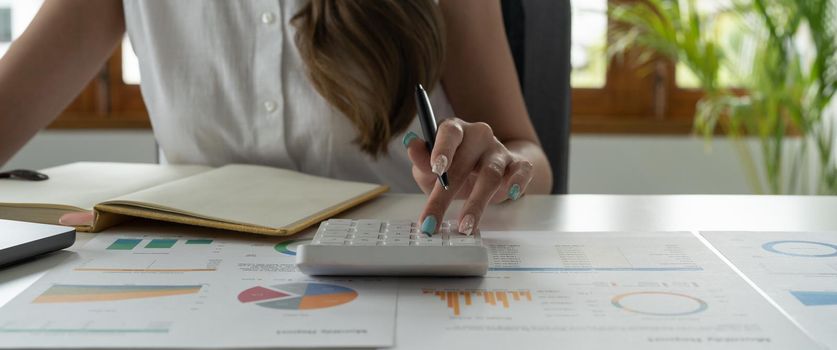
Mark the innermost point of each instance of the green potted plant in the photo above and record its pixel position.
(782, 55)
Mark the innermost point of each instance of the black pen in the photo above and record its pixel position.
(428, 126)
(23, 174)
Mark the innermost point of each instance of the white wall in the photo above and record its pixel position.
(654, 165)
(51, 148)
(598, 164)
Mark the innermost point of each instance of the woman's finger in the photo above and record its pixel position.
(518, 176)
(77, 219)
(467, 156)
(424, 179)
(491, 175)
(417, 151)
(448, 137)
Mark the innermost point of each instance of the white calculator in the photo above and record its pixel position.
(391, 248)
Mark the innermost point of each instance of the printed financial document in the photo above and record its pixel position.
(166, 287)
(627, 290)
(798, 270)
(135, 289)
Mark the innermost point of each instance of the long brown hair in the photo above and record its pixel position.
(365, 58)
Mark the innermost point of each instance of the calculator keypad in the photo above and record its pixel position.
(396, 233)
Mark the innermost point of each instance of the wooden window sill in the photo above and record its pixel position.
(580, 124)
(69, 120)
(643, 126)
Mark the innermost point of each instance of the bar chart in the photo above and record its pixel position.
(456, 300)
(72, 293)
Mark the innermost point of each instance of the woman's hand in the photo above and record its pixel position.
(480, 168)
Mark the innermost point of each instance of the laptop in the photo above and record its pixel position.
(23, 240)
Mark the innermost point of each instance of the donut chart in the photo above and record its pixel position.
(298, 296)
(659, 303)
(289, 247)
(808, 249)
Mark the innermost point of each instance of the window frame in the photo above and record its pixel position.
(634, 100)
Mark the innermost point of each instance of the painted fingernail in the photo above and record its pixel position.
(439, 165)
(408, 137)
(466, 226)
(514, 192)
(428, 226)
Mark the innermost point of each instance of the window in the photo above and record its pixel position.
(5, 25)
(589, 43)
(15, 15)
(609, 96)
(628, 99)
(130, 64)
(657, 98)
(101, 104)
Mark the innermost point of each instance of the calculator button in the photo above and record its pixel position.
(428, 241)
(324, 240)
(401, 222)
(364, 242)
(339, 222)
(338, 229)
(397, 242)
(397, 234)
(401, 230)
(366, 234)
(369, 227)
(335, 234)
(462, 241)
(367, 231)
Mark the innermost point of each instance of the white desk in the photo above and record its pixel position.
(571, 213)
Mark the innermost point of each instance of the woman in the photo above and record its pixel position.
(321, 86)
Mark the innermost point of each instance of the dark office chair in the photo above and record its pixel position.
(539, 38)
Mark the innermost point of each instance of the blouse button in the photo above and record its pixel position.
(269, 106)
(268, 17)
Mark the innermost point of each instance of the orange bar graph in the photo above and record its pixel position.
(501, 297)
(471, 298)
(453, 302)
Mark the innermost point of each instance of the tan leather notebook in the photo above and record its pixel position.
(246, 198)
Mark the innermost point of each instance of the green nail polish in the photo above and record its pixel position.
(514, 192)
(408, 137)
(428, 226)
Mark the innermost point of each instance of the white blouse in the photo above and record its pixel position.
(224, 83)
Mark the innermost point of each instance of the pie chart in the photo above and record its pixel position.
(289, 247)
(655, 303)
(298, 296)
(810, 249)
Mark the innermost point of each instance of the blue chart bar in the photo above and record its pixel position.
(124, 244)
(161, 243)
(815, 298)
